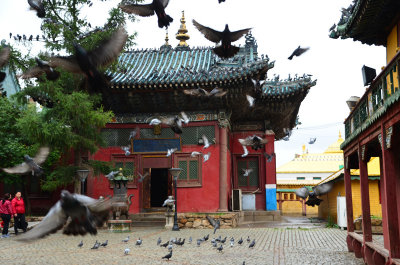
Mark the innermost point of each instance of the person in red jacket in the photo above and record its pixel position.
(6, 212)
(18, 208)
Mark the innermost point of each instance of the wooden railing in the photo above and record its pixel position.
(384, 86)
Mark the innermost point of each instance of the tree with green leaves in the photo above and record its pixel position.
(72, 115)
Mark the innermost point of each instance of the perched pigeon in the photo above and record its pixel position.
(245, 151)
(199, 242)
(80, 244)
(214, 244)
(139, 242)
(252, 244)
(240, 242)
(226, 49)
(298, 51)
(232, 243)
(96, 245)
(313, 195)
(190, 240)
(220, 248)
(30, 164)
(213, 222)
(38, 6)
(171, 151)
(254, 141)
(247, 171)
(206, 237)
(157, 7)
(126, 239)
(81, 213)
(40, 68)
(250, 99)
(205, 141)
(312, 140)
(158, 241)
(168, 256)
(206, 156)
(269, 156)
(126, 149)
(194, 153)
(165, 244)
(104, 244)
(180, 243)
(198, 92)
(170, 246)
(333, 27)
(126, 251)
(223, 240)
(142, 177)
(111, 175)
(87, 62)
(248, 239)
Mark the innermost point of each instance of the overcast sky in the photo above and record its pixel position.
(279, 27)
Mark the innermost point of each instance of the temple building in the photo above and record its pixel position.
(306, 169)
(372, 130)
(149, 83)
(10, 84)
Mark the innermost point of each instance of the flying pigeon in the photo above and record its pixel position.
(104, 244)
(220, 248)
(185, 118)
(252, 244)
(30, 164)
(226, 49)
(175, 123)
(142, 177)
(78, 214)
(155, 122)
(40, 68)
(214, 223)
(139, 242)
(258, 87)
(80, 244)
(247, 171)
(220, 1)
(132, 135)
(126, 251)
(254, 141)
(4, 57)
(157, 6)
(299, 51)
(194, 153)
(158, 241)
(313, 195)
(168, 203)
(165, 244)
(126, 239)
(269, 156)
(38, 6)
(171, 151)
(198, 92)
(168, 256)
(288, 133)
(126, 149)
(206, 157)
(245, 151)
(206, 142)
(87, 62)
(250, 99)
(312, 140)
(111, 175)
(96, 245)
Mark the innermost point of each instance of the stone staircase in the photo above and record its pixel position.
(259, 216)
(153, 217)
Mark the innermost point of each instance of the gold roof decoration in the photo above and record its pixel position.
(182, 35)
(329, 161)
(166, 38)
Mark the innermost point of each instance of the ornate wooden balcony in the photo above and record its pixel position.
(377, 99)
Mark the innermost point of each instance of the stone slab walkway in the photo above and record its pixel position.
(273, 246)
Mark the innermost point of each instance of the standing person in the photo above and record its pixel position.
(6, 212)
(18, 208)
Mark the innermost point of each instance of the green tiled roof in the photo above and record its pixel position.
(368, 21)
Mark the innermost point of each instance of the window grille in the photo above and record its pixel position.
(191, 135)
(116, 137)
(148, 133)
(252, 180)
(191, 170)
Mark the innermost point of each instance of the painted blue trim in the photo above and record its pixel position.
(270, 199)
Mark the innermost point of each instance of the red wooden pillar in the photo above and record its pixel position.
(349, 198)
(366, 215)
(223, 167)
(390, 173)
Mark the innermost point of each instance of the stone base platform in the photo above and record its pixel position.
(119, 226)
(259, 216)
(199, 220)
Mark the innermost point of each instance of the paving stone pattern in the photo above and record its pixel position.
(273, 246)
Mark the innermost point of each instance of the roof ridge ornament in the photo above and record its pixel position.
(182, 35)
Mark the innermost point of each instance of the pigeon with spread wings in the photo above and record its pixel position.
(30, 164)
(254, 141)
(214, 223)
(157, 7)
(226, 37)
(313, 195)
(80, 215)
(40, 68)
(4, 57)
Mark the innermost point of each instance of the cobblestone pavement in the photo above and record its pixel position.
(273, 246)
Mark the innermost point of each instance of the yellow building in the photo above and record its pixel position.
(329, 205)
(306, 170)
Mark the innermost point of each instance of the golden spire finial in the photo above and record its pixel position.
(182, 35)
(166, 38)
(340, 135)
(304, 149)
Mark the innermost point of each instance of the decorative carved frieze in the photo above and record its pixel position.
(380, 140)
(388, 139)
(363, 152)
(147, 117)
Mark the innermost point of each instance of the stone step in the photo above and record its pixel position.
(257, 216)
(149, 219)
(148, 223)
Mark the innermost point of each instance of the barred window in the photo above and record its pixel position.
(252, 180)
(148, 133)
(116, 137)
(191, 135)
(128, 166)
(191, 170)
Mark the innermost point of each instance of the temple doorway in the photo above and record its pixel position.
(158, 186)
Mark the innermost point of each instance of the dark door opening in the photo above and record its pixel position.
(158, 186)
